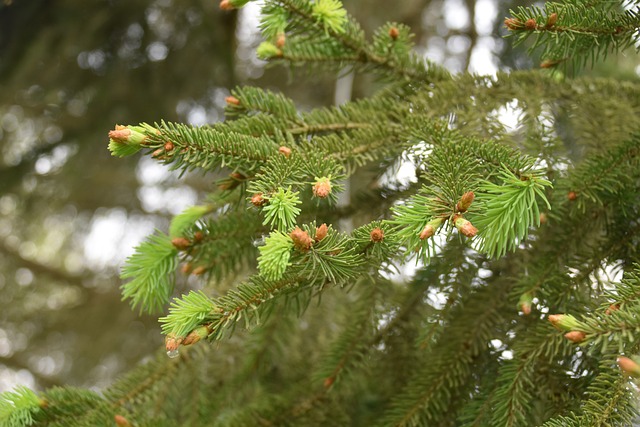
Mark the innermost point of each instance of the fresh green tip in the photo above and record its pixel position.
(268, 50)
(274, 255)
(127, 140)
(330, 14)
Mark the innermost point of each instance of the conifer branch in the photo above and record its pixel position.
(575, 32)
(351, 40)
(151, 270)
(428, 393)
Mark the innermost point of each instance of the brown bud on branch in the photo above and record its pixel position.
(321, 232)
(575, 336)
(301, 239)
(181, 243)
(286, 151)
(377, 235)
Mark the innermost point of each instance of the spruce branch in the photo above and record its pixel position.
(151, 270)
(275, 255)
(209, 148)
(19, 407)
(575, 31)
(188, 312)
(510, 210)
(608, 401)
(345, 44)
(187, 218)
(427, 395)
(252, 100)
(282, 209)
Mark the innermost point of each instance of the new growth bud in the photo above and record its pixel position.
(394, 33)
(328, 382)
(196, 335)
(431, 228)
(121, 421)
(531, 24)
(321, 232)
(465, 227)
(199, 270)
(575, 336)
(513, 24)
(465, 201)
(257, 200)
(549, 63)
(572, 196)
(612, 308)
(524, 304)
(552, 19)
(268, 50)
(377, 235)
(226, 5)
(629, 366)
(281, 40)
(171, 342)
(232, 4)
(180, 243)
(301, 239)
(564, 322)
(285, 151)
(322, 188)
(232, 100)
(128, 135)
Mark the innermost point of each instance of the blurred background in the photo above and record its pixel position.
(70, 213)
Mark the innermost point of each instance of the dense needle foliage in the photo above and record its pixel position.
(498, 287)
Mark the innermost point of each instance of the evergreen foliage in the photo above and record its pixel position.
(509, 318)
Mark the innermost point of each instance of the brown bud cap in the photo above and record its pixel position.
(629, 366)
(158, 153)
(237, 176)
(465, 227)
(286, 151)
(301, 239)
(427, 232)
(575, 336)
(612, 308)
(196, 335)
(281, 40)
(394, 33)
(120, 134)
(552, 19)
(322, 188)
(572, 196)
(549, 63)
(198, 236)
(377, 235)
(257, 200)
(543, 218)
(531, 24)
(121, 421)
(168, 146)
(321, 232)
(199, 270)
(525, 303)
(513, 24)
(564, 322)
(180, 243)
(226, 5)
(232, 100)
(186, 268)
(171, 342)
(328, 382)
(465, 201)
